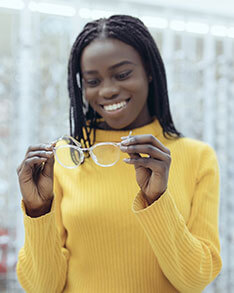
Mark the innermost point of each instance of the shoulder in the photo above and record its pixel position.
(191, 144)
(194, 149)
(194, 157)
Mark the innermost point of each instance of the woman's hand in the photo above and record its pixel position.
(152, 171)
(36, 179)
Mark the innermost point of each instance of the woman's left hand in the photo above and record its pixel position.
(152, 171)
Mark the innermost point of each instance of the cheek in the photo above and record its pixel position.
(139, 87)
(90, 95)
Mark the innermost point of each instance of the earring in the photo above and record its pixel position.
(150, 78)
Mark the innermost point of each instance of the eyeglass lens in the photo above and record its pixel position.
(105, 154)
(68, 156)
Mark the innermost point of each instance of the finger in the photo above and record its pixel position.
(146, 149)
(134, 156)
(30, 163)
(40, 153)
(126, 137)
(19, 168)
(146, 163)
(40, 147)
(145, 139)
(48, 169)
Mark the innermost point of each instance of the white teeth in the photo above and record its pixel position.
(115, 106)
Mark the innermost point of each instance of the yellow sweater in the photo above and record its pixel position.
(101, 237)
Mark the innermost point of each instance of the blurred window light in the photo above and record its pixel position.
(84, 13)
(177, 25)
(95, 14)
(13, 4)
(197, 27)
(218, 30)
(230, 32)
(49, 8)
(156, 22)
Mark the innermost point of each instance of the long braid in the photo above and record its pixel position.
(133, 32)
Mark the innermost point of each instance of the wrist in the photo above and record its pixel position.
(151, 200)
(40, 211)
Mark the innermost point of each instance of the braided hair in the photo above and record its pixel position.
(133, 32)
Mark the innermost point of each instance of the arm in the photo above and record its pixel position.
(187, 254)
(42, 262)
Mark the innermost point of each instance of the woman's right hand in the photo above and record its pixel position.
(36, 179)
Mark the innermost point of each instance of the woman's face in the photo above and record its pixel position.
(115, 83)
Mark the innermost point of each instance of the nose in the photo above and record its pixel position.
(108, 90)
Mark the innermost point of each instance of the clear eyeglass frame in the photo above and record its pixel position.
(77, 147)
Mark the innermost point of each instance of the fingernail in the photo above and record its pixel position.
(125, 142)
(123, 148)
(52, 145)
(126, 160)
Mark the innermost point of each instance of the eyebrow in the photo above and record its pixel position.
(111, 67)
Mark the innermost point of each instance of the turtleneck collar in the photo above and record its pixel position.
(153, 127)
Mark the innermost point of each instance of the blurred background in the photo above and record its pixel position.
(196, 40)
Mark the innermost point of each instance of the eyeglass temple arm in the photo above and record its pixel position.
(130, 133)
(70, 137)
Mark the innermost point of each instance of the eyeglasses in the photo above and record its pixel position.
(70, 154)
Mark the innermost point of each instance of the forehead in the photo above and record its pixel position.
(107, 52)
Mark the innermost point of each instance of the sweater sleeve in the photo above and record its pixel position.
(188, 253)
(42, 261)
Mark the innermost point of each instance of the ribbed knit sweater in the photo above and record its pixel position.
(102, 237)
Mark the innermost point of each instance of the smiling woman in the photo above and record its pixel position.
(119, 229)
(116, 83)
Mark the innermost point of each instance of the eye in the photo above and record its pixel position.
(92, 82)
(123, 75)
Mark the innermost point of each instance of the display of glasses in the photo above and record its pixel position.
(34, 108)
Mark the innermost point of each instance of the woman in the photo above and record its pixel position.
(114, 229)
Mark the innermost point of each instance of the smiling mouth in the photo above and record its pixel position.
(115, 106)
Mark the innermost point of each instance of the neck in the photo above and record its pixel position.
(142, 119)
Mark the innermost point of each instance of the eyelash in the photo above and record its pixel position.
(121, 76)
(91, 82)
(124, 74)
